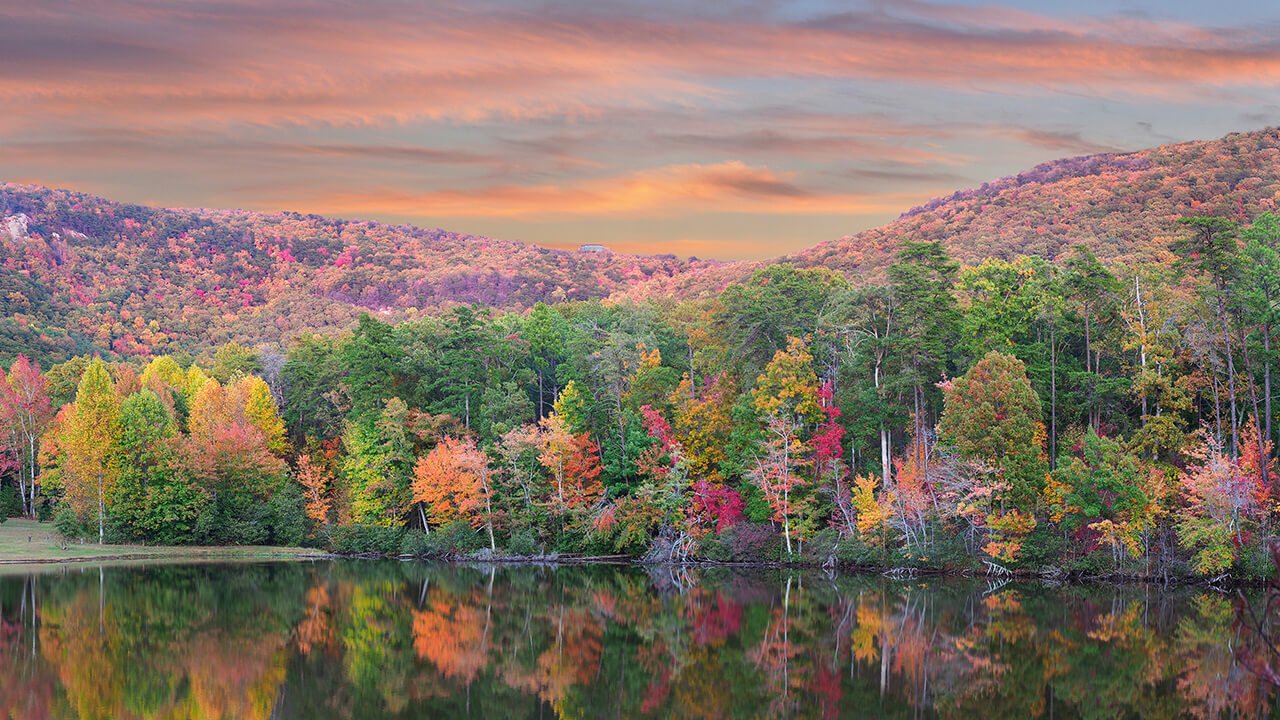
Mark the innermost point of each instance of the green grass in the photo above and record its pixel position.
(28, 541)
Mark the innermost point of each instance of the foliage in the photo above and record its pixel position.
(992, 415)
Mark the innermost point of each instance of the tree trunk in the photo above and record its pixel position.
(101, 508)
(1253, 401)
(1142, 344)
(1053, 398)
(1231, 373)
(1266, 378)
(488, 512)
(786, 494)
(884, 456)
(884, 435)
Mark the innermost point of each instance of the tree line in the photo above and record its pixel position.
(1018, 413)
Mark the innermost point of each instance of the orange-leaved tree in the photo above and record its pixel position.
(453, 482)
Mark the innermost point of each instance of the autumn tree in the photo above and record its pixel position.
(453, 482)
(229, 450)
(573, 463)
(702, 423)
(1222, 496)
(251, 393)
(314, 472)
(90, 443)
(24, 401)
(992, 415)
(786, 397)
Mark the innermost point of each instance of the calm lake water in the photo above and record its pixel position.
(364, 639)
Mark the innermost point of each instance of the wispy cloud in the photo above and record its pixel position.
(725, 187)
(354, 63)
(560, 110)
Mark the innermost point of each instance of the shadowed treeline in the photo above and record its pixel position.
(360, 640)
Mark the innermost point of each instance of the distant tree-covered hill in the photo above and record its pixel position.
(1124, 206)
(83, 274)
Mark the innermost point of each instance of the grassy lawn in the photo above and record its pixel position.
(28, 541)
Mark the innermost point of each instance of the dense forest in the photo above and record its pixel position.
(1064, 416)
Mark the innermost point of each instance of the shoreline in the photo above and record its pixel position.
(230, 552)
(1222, 582)
(180, 554)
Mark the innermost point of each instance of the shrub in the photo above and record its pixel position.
(10, 503)
(1098, 562)
(449, 540)
(365, 539)
(67, 524)
(1044, 547)
(523, 542)
(744, 542)
(853, 551)
(1255, 563)
(415, 543)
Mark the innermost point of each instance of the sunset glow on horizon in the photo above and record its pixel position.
(736, 130)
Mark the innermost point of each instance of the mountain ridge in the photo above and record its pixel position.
(85, 274)
(1123, 206)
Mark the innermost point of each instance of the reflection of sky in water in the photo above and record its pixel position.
(725, 130)
(374, 639)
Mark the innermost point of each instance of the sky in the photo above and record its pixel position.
(713, 129)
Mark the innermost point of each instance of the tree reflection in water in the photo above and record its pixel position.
(385, 639)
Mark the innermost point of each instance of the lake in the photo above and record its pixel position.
(369, 639)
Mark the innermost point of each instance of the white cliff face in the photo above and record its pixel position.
(15, 226)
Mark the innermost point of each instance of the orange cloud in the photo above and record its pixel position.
(351, 64)
(724, 187)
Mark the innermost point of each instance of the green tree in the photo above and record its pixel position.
(372, 358)
(778, 302)
(1259, 292)
(314, 403)
(1103, 482)
(1211, 250)
(992, 415)
(378, 465)
(927, 321)
(156, 501)
(232, 360)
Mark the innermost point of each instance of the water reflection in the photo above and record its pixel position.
(373, 639)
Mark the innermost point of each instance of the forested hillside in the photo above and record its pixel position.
(1122, 206)
(81, 274)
